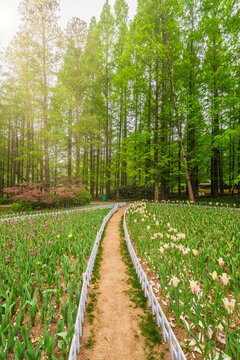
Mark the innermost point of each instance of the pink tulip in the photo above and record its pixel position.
(229, 305)
(224, 279)
(214, 275)
(175, 281)
(220, 262)
(161, 249)
(194, 286)
(181, 248)
(195, 252)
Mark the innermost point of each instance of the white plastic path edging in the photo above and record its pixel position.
(22, 216)
(75, 345)
(168, 335)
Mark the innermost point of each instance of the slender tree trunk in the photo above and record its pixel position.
(77, 139)
(45, 107)
(91, 168)
(97, 174)
(215, 130)
(28, 145)
(22, 151)
(119, 145)
(238, 163)
(107, 140)
(163, 132)
(189, 185)
(69, 146)
(148, 142)
(8, 157)
(32, 149)
(179, 170)
(135, 138)
(17, 161)
(233, 164)
(155, 139)
(191, 130)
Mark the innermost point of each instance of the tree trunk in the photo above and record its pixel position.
(119, 145)
(189, 185)
(77, 139)
(155, 139)
(148, 142)
(45, 107)
(91, 168)
(215, 130)
(69, 146)
(107, 143)
(97, 175)
(163, 132)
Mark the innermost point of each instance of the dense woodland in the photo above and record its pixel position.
(151, 103)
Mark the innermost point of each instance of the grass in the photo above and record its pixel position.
(91, 307)
(149, 330)
(91, 341)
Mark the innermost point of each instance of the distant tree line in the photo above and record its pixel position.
(151, 103)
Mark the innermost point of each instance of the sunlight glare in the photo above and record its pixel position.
(5, 19)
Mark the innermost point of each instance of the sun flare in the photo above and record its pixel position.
(5, 18)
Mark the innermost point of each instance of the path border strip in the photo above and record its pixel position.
(75, 345)
(168, 334)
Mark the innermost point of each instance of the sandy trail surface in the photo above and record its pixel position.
(116, 320)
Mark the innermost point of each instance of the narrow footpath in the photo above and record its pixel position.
(115, 332)
(116, 320)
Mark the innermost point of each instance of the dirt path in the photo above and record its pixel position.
(116, 324)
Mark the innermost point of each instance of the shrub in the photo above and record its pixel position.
(5, 201)
(21, 205)
(83, 197)
(33, 196)
(133, 192)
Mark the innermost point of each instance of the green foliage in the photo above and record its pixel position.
(83, 197)
(188, 244)
(22, 205)
(42, 248)
(5, 201)
(132, 192)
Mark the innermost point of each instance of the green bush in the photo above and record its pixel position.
(83, 197)
(133, 192)
(5, 201)
(22, 205)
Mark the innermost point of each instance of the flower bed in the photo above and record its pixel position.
(194, 254)
(41, 264)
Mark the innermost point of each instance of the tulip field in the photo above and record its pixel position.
(41, 264)
(194, 253)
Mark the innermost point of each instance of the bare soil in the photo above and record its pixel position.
(116, 323)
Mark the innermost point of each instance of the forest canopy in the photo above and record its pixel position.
(152, 103)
